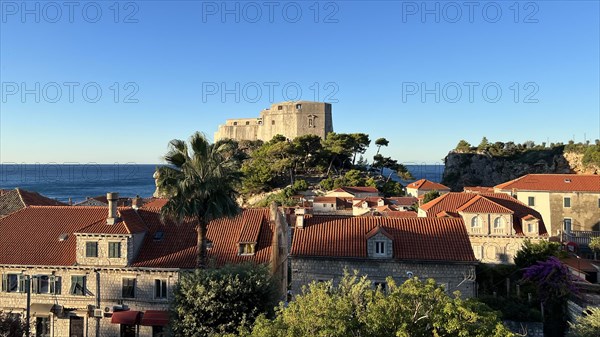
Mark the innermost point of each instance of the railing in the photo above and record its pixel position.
(579, 237)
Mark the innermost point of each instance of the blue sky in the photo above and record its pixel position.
(371, 59)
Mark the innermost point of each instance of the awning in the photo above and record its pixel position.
(40, 309)
(129, 317)
(155, 318)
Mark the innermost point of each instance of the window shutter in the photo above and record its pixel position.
(4, 282)
(35, 284)
(21, 283)
(73, 284)
(83, 281)
(57, 285)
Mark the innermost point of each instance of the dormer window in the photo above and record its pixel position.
(209, 244)
(247, 248)
(159, 235)
(91, 249)
(298, 106)
(379, 243)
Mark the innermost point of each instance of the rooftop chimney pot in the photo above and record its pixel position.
(112, 198)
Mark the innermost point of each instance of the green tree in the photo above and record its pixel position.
(483, 145)
(213, 302)
(431, 195)
(530, 253)
(595, 246)
(360, 143)
(309, 150)
(11, 325)
(390, 188)
(199, 183)
(463, 146)
(586, 326)
(381, 142)
(355, 308)
(338, 148)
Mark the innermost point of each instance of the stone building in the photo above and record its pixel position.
(497, 223)
(17, 199)
(324, 246)
(567, 202)
(422, 186)
(290, 119)
(93, 272)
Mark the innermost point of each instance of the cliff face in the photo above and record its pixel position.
(482, 169)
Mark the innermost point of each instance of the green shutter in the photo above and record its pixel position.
(4, 282)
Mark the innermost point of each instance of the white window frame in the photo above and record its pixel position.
(565, 201)
(476, 222)
(72, 288)
(20, 283)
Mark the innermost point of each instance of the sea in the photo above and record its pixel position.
(80, 181)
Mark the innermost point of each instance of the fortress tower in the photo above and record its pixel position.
(290, 119)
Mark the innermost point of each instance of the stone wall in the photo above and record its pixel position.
(290, 119)
(306, 270)
(110, 291)
(584, 211)
(498, 249)
(103, 243)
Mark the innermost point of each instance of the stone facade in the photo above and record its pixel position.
(498, 249)
(103, 285)
(290, 119)
(454, 276)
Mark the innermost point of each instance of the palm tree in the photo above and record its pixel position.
(199, 183)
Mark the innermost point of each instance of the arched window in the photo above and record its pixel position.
(475, 222)
(498, 223)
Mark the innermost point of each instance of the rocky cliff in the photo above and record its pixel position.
(483, 169)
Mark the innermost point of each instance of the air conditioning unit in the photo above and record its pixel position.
(98, 313)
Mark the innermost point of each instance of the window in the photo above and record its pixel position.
(128, 288)
(298, 106)
(234, 123)
(160, 289)
(114, 250)
(567, 202)
(310, 122)
(45, 284)
(247, 123)
(598, 203)
(42, 327)
(158, 331)
(567, 225)
(279, 107)
(158, 236)
(531, 201)
(273, 122)
(379, 247)
(91, 249)
(530, 227)
(498, 223)
(246, 249)
(13, 283)
(77, 285)
(475, 223)
(127, 330)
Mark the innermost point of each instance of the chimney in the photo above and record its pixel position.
(112, 198)
(300, 217)
(137, 202)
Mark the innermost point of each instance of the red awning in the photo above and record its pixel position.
(156, 318)
(129, 317)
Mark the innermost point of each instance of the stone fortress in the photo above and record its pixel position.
(290, 119)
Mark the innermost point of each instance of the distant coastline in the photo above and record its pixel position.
(78, 181)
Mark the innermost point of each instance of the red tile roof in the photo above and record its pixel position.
(451, 203)
(130, 223)
(357, 189)
(31, 235)
(16, 199)
(424, 239)
(156, 203)
(481, 204)
(177, 249)
(478, 189)
(554, 183)
(403, 201)
(427, 185)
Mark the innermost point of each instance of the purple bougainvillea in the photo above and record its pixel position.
(552, 278)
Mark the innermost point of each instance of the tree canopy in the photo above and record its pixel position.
(530, 253)
(355, 308)
(431, 195)
(11, 324)
(213, 302)
(586, 326)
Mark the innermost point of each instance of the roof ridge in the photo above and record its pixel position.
(435, 201)
(18, 191)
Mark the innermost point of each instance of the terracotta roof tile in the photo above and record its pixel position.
(481, 204)
(130, 223)
(177, 249)
(427, 185)
(16, 199)
(425, 239)
(155, 203)
(357, 189)
(554, 182)
(453, 201)
(31, 235)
